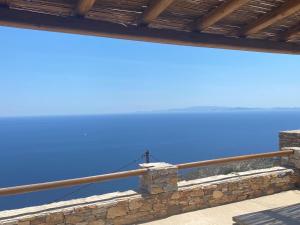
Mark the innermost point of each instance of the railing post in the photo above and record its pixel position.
(294, 159)
(147, 156)
(160, 178)
(290, 140)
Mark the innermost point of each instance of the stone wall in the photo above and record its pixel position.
(132, 207)
(289, 139)
(227, 168)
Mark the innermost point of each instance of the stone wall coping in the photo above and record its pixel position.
(69, 204)
(156, 165)
(291, 131)
(116, 196)
(291, 148)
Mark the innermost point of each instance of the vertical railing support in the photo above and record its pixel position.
(290, 140)
(147, 156)
(159, 178)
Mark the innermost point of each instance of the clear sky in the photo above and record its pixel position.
(44, 73)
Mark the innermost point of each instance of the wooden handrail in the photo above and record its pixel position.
(234, 159)
(71, 182)
(111, 176)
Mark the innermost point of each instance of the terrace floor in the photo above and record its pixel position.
(222, 215)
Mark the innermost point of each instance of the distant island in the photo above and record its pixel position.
(203, 109)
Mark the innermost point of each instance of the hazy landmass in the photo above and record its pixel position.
(196, 109)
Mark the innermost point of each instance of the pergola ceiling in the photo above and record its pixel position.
(253, 25)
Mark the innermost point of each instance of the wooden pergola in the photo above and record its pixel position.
(252, 25)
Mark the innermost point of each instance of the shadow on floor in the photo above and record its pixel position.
(289, 215)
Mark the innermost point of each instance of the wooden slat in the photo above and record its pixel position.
(287, 9)
(218, 13)
(83, 6)
(284, 215)
(155, 8)
(288, 34)
(75, 25)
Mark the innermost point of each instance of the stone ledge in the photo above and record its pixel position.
(290, 132)
(131, 207)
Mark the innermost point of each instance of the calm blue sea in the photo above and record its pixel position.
(41, 149)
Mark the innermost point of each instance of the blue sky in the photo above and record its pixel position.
(44, 73)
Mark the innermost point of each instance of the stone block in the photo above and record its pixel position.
(74, 219)
(294, 159)
(55, 218)
(117, 211)
(160, 178)
(24, 222)
(135, 204)
(217, 194)
(289, 139)
(97, 222)
(40, 219)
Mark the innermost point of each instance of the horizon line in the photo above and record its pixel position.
(163, 111)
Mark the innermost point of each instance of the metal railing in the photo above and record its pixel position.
(111, 176)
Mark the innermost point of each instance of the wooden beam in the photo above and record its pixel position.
(285, 10)
(76, 25)
(290, 33)
(155, 8)
(70, 182)
(219, 13)
(235, 159)
(83, 6)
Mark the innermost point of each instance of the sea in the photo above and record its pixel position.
(42, 149)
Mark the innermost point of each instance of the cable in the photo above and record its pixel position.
(155, 158)
(129, 164)
(87, 185)
(71, 193)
